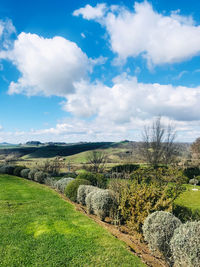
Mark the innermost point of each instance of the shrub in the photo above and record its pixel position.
(139, 200)
(185, 245)
(17, 170)
(62, 183)
(160, 174)
(193, 181)
(100, 202)
(83, 191)
(88, 176)
(125, 168)
(40, 177)
(50, 181)
(117, 185)
(69, 175)
(24, 173)
(72, 188)
(158, 230)
(32, 174)
(101, 180)
(7, 169)
(88, 200)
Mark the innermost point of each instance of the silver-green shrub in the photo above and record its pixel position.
(158, 229)
(83, 191)
(185, 245)
(62, 183)
(24, 173)
(88, 200)
(40, 177)
(50, 182)
(193, 181)
(100, 202)
(32, 174)
(7, 169)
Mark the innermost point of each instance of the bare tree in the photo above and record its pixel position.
(52, 167)
(97, 160)
(195, 151)
(158, 143)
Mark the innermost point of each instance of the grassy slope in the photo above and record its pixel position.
(38, 228)
(190, 198)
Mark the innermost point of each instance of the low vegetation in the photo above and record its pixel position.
(72, 188)
(151, 200)
(38, 228)
(100, 202)
(185, 245)
(158, 230)
(61, 184)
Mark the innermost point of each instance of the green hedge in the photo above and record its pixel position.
(72, 188)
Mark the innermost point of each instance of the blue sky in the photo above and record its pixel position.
(98, 70)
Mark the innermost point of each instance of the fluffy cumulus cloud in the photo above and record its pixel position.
(89, 12)
(47, 66)
(128, 99)
(159, 38)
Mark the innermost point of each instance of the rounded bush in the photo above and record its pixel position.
(88, 176)
(185, 245)
(50, 181)
(24, 173)
(100, 202)
(83, 191)
(7, 169)
(72, 188)
(158, 230)
(88, 200)
(40, 177)
(62, 183)
(193, 181)
(17, 170)
(32, 174)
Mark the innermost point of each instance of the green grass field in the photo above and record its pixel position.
(39, 228)
(190, 199)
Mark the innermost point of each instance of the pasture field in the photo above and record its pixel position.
(39, 228)
(190, 199)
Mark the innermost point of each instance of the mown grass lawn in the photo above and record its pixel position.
(38, 228)
(190, 199)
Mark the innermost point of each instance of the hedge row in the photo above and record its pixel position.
(24, 172)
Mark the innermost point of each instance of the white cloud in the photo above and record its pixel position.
(47, 66)
(75, 130)
(158, 38)
(89, 12)
(129, 99)
(7, 29)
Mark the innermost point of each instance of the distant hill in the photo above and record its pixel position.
(121, 149)
(5, 144)
(48, 151)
